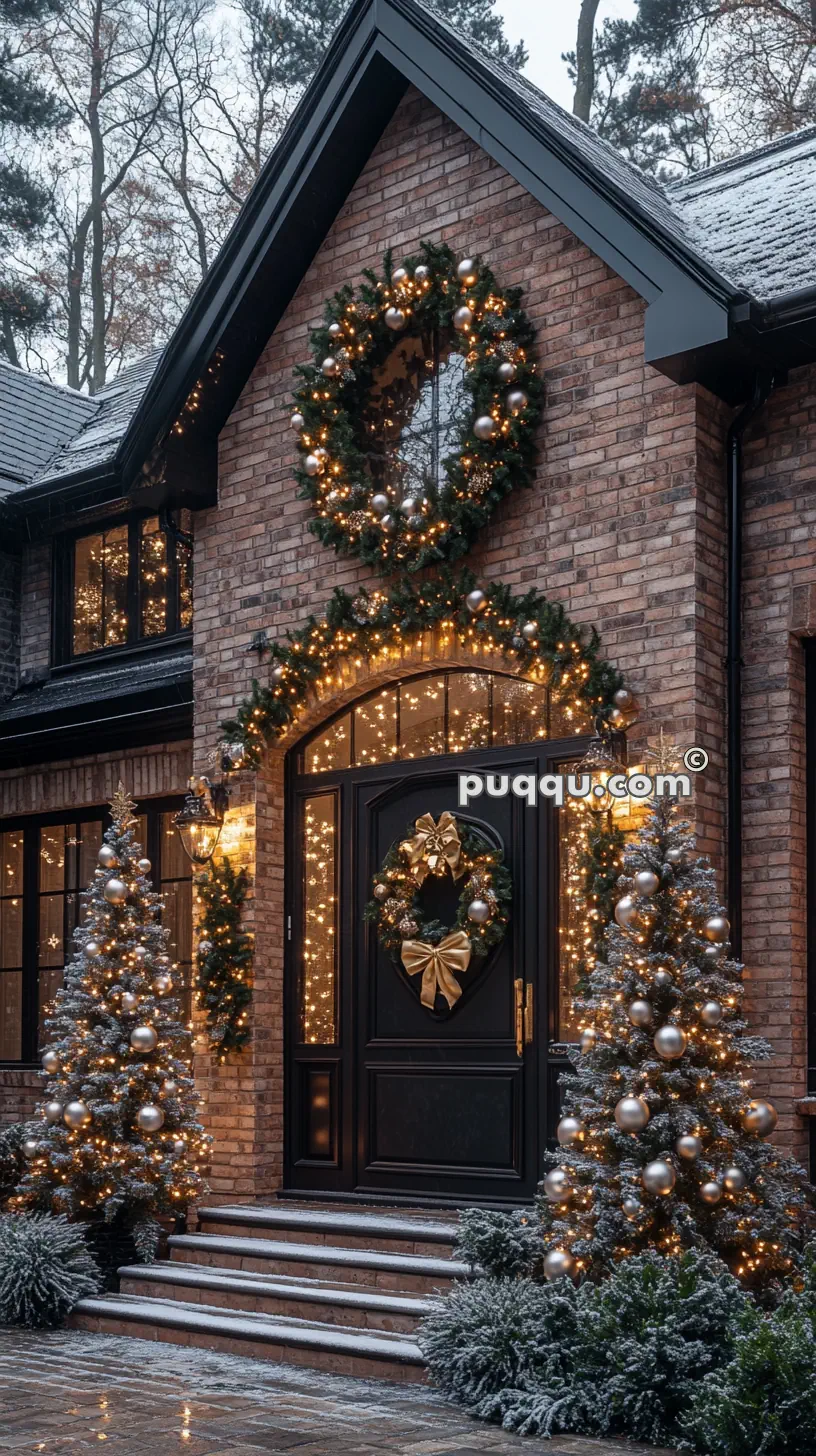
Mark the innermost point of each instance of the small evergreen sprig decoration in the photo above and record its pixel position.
(225, 951)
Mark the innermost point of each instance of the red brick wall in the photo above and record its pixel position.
(624, 524)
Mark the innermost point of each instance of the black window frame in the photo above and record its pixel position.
(62, 616)
(31, 825)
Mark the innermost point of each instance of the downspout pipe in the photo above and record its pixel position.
(763, 384)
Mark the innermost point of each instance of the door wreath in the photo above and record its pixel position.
(426, 947)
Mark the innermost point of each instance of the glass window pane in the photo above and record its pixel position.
(11, 931)
(52, 856)
(318, 975)
(174, 862)
(177, 916)
(11, 1016)
(88, 594)
(422, 717)
(375, 729)
(11, 853)
(52, 910)
(468, 711)
(153, 578)
(519, 711)
(89, 838)
(184, 562)
(568, 718)
(331, 750)
(49, 984)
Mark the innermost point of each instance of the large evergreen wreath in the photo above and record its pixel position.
(353, 405)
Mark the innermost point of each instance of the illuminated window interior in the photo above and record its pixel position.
(131, 582)
(318, 972)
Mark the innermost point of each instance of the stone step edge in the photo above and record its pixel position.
(244, 1281)
(318, 1220)
(266, 1329)
(413, 1264)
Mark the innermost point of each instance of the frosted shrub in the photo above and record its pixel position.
(45, 1268)
(500, 1243)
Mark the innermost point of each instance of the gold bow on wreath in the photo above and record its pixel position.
(438, 963)
(434, 847)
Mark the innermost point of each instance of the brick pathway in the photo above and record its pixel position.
(69, 1392)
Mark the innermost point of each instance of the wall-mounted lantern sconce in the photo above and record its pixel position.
(201, 818)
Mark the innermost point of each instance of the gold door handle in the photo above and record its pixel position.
(528, 1015)
(519, 989)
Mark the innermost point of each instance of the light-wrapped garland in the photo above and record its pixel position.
(426, 947)
(224, 973)
(533, 633)
(429, 298)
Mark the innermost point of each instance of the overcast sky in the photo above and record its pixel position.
(548, 27)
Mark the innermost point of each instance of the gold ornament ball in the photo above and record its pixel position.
(108, 858)
(506, 372)
(734, 1179)
(632, 1207)
(623, 699)
(330, 367)
(93, 948)
(143, 1038)
(422, 273)
(478, 911)
(115, 892)
(162, 984)
(77, 1114)
(570, 1131)
(530, 631)
(659, 1177)
(476, 601)
(632, 1114)
(558, 1264)
(712, 1013)
(688, 1146)
(311, 465)
(52, 1112)
(399, 276)
(588, 1039)
(640, 1012)
(297, 421)
(381, 892)
(670, 1042)
(150, 1118)
(716, 928)
(394, 319)
(484, 427)
(558, 1186)
(646, 882)
(467, 272)
(30, 1149)
(462, 319)
(50, 1063)
(517, 401)
(760, 1117)
(626, 913)
(129, 1002)
(711, 1192)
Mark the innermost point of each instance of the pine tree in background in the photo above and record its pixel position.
(119, 1137)
(662, 1144)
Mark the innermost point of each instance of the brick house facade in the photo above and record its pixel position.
(626, 525)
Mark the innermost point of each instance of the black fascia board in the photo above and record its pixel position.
(164, 714)
(381, 47)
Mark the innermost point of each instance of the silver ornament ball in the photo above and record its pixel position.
(150, 1118)
(108, 858)
(335, 330)
(380, 503)
(179, 1146)
(204, 947)
(530, 631)
(688, 1146)
(558, 1264)
(734, 1180)
(632, 1114)
(674, 857)
(623, 699)
(144, 866)
(140, 952)
(422, 273)
(408, 507)
(93, 948)
(670, 1042)
(478, 911)
(476, 601)
(716, 928)
(297, 421)
(395, 319)
(77, 1114)
(388, 524)
(659, 1177)
(632, 1207)
(646, 882)
(128, 1001)
(712, 1013)
(558, 1186)
(484, 427)
(277, 674)
(50, 1063)
(115, 892)
(588, 1039)
(169, 1087)
(330, 367)
(162, 985)
(462, 319)
(626, 913)
(570, 1131)
(381, 892)
(143, 1038)
(311, 465)
(711, 1192)
(663, 980)
(30, 1148)
(399, 276)
(760, 1117)
(467, 272)
(640, 1012)
(506, 372)
(52, 1112)
(517, 401)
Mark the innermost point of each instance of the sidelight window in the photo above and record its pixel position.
(317, 991)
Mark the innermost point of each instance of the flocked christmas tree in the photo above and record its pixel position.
(661, 1143)
(120, 1136)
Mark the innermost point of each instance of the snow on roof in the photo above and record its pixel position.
(36, 419)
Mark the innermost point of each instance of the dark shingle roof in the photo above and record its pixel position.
(97, 684)
(36, 419)
(114, 407)
(755, 216)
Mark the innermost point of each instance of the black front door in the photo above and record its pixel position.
(385, 1097)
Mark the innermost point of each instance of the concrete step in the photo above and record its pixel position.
(399, 1273)
(307, 1299)
(397, 1232)
(341, 1350)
